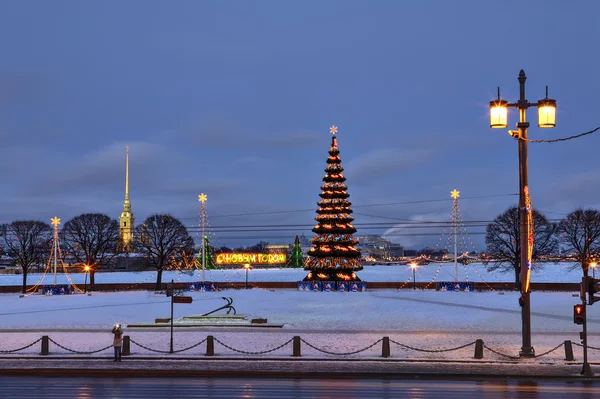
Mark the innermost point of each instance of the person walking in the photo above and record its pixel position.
(118, 341)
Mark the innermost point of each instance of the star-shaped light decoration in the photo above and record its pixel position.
(455, 194)
(333, 129)
(55, 221)
(202, 198)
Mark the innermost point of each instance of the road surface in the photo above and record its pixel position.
(224, 388)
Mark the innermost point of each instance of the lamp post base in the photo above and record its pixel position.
(587, 370)
(527, 352)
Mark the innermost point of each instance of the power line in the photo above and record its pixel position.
(565, 138)
(357, 206)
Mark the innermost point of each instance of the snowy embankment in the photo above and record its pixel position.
(337, 322)
(477, 272)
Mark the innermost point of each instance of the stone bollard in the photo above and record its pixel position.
(385, 347)
(569, 351)
(210, 345)
(45, 345)
(126, 345)
(479, 349)
(296, 347)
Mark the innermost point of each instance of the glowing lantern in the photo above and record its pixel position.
(547, 112)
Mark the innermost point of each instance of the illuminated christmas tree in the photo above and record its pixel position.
(296, 258)
(209, 262)
(334, 256)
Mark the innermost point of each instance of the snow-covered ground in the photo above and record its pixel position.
(548, 272)
(334, 321)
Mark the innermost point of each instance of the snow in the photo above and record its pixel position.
(476, 272)
(338, 322)
(333, 321)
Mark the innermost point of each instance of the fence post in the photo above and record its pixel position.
(569, 351)
(210, 346)
(126, 345)
(479, 349)
(385, 347)
(296, 346)
(45, 345)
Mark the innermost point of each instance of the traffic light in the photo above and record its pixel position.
(578, 314)
(593, 286)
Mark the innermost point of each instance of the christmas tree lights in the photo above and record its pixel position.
(334, 256)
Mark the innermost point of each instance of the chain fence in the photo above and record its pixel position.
(20, 349)
(341, 353)
(167, 352)
(501, 354)
(589, 347)
(291, 340)
(253, 353)
(78, 352)
(550, 351)
(433, 350)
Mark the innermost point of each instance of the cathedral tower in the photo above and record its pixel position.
(126, 220)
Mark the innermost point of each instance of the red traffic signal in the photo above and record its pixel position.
(578, 314)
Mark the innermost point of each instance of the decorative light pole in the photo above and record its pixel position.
(87, 270)
(593, 265)
(414, 269)
(247, 267)
(55, 222)
(499, 120)
(455, 194)
(202, 198)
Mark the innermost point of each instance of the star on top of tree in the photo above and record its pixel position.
(333, 129)
(55, 221)
(202, 197)
(455, 193)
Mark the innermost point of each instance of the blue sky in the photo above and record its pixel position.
(235, 98)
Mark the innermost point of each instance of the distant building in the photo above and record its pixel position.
(375, 246)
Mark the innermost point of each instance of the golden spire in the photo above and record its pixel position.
(127, 220)
(127, 173)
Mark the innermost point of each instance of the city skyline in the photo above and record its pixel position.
(235, 100)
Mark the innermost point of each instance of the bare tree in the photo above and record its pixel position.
(92, 239)
(580, 235)
(29, 242)
(504, 245)
(165, 241)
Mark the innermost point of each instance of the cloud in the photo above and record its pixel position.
(380, 163)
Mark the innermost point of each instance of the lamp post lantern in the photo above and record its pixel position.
(546, 119)
(247, 267)
(593, 265)
(414, 269)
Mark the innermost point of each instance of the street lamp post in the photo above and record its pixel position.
(247, 267)
(414, 269)
(87, 270)
(546, 119)
(593, 266)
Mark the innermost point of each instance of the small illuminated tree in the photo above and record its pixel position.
(334, 256)
(208, 254)
(296, 258)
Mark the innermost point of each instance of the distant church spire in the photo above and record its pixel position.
(126, 219)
